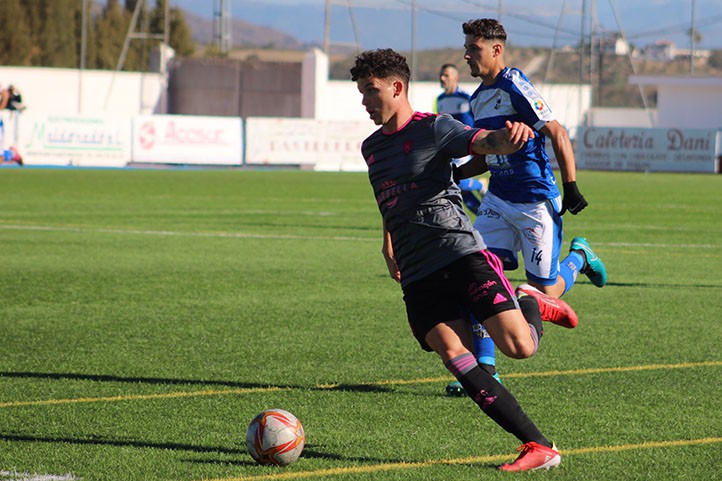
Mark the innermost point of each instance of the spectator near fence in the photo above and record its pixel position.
(11, 104)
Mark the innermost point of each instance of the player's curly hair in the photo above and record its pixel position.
(486, 28)
(381, 63)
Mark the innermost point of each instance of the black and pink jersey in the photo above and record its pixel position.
(410, 172)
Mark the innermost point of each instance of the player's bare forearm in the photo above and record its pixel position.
(563, 150)
(388, 252)
(504, 141)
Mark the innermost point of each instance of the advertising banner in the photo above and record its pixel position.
(74, 140)
(184, 139)
(646, 150)
(333, 145)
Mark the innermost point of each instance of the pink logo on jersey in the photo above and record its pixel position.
(370, 160)
(390, 192)
(476, 291)
(407, 147)
(499, 299)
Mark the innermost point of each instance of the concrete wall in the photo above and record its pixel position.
(340, 100)
(622, 117)
(237, 88)
(684, 101)
(252, 88)
(70, 91)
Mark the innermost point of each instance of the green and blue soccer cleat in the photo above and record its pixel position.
(454, 389)
(593, 266)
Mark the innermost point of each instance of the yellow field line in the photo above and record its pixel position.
(569, 372)
(140, 397)
(392, 382)
(497, 458)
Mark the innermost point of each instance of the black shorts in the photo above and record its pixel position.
(475, 283)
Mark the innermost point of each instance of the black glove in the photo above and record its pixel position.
(572, 201)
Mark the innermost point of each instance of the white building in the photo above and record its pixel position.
(683, 101)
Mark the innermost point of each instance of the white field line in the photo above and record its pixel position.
(243, 235)
(220, 235)
(11, 476)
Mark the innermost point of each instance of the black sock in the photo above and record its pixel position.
(490, 368)
(496, 402)
(530, 308)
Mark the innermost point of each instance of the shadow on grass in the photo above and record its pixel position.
(190, 382)
(97, 441)
(310, 452)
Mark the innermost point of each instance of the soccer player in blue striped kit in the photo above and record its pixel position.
(523, 208)
(432, 250)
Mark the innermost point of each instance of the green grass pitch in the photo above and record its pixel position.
(147, 316)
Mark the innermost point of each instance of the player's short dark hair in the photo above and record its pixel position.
(449, 65)
(486, 28)
(381, 63)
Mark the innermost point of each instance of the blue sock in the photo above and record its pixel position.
(471, 200)
(483, 344)
(471, 184)
(569, 269)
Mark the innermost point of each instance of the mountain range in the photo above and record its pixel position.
(243, 33)
(436, 24)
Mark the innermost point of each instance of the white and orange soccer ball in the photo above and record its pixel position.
(275, 437)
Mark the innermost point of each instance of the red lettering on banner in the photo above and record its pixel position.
(193, 135)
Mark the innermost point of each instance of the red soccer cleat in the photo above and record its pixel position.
(534, 456)
(552, 309)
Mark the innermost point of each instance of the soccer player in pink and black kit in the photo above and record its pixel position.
(432, 250)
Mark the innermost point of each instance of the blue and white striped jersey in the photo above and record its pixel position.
(456, 105)
(525, 176)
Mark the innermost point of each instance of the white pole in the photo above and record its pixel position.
(83, 51)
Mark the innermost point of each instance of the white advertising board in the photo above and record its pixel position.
(185, 139)
(321, 144)
(86, 141)
(646, 150)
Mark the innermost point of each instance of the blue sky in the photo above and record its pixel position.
(387, 23)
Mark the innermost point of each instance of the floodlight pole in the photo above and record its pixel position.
(692, 34)
(222, 26)
(327, 29)
(582, 39)
(132, 34)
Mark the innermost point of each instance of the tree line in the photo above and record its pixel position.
(49, 33)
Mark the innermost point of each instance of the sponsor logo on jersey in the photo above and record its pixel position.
(390, 192)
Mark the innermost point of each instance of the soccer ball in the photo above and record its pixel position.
(275, 437)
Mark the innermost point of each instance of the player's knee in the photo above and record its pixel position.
(519, 349)
(449, 353)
